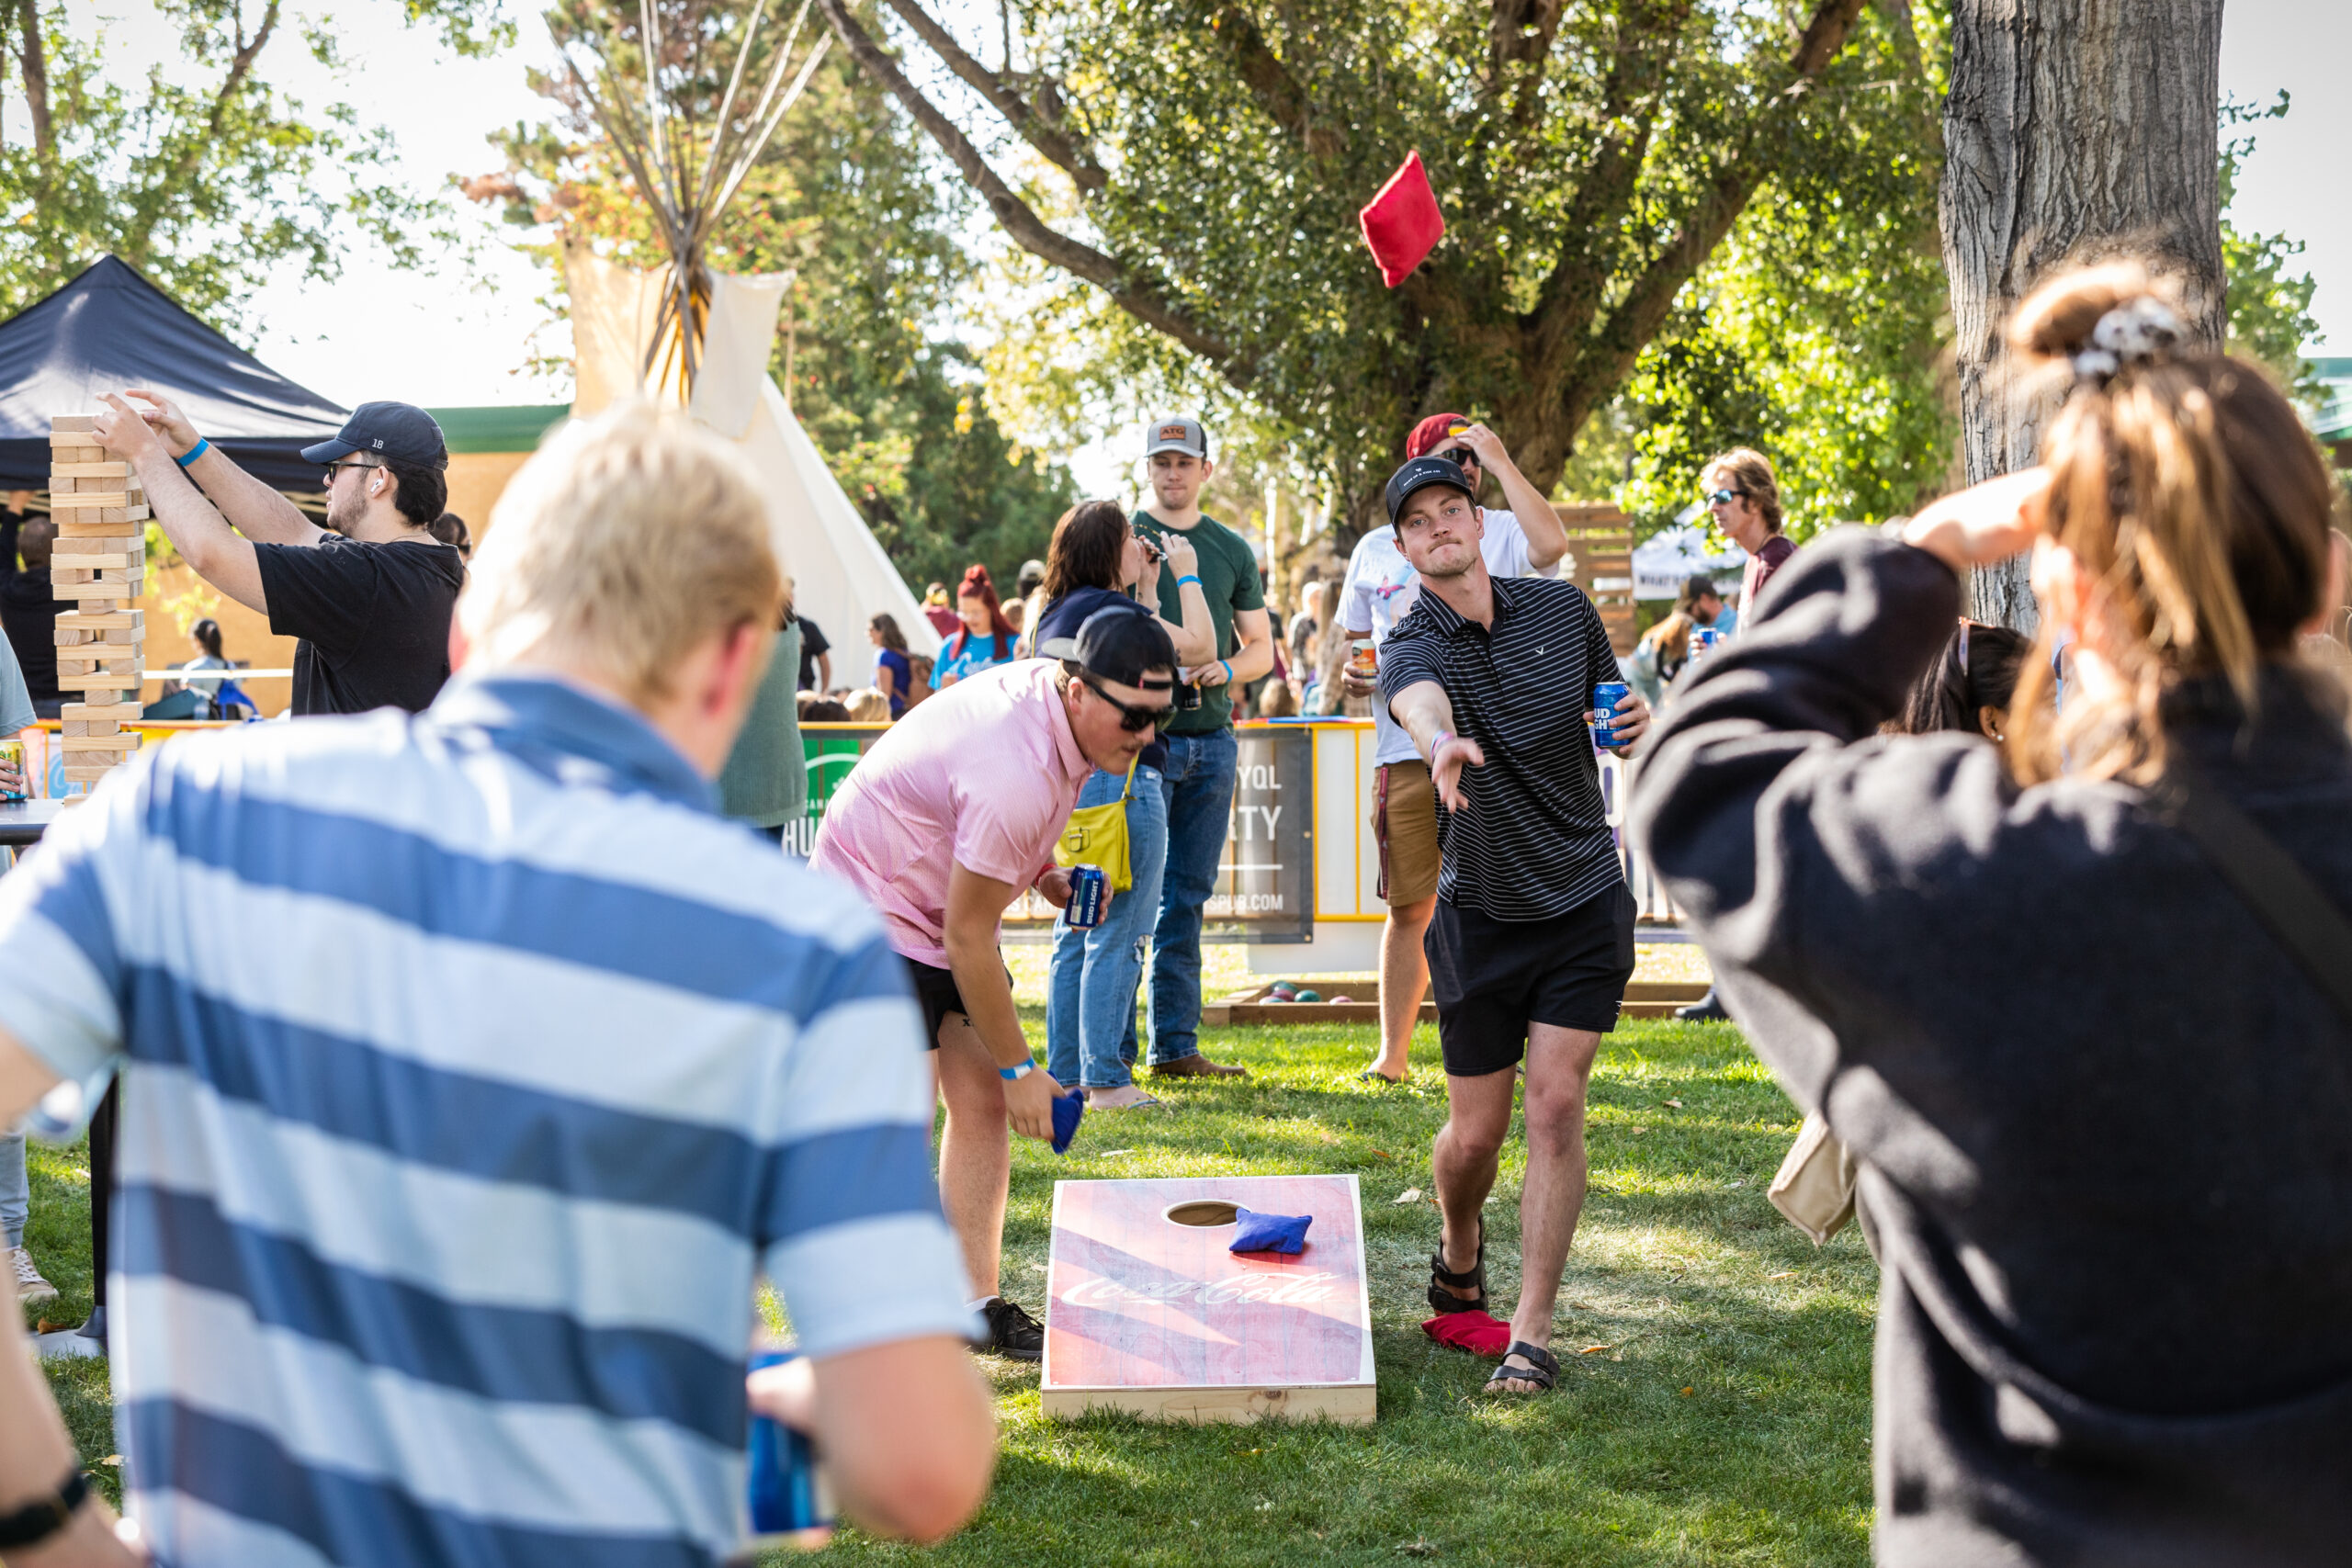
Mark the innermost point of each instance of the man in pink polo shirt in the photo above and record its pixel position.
(940, 826)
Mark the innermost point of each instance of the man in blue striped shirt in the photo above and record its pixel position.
(472, 1068)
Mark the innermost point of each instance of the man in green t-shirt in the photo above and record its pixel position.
(1198, 779)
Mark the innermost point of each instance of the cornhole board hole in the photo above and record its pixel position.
(1147, 1311)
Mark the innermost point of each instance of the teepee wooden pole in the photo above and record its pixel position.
(748, 150)
(718, 127)
(759, 141)
(628, 143)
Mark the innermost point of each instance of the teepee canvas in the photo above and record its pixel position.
(840, 575)
(688, 334)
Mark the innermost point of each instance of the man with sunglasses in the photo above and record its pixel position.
(1527, 540)
(368, 596)
(1744, 497)
(942, 826)
(1744, 494)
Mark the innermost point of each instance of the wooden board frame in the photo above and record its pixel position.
(1272, 1303)
(1644, 999)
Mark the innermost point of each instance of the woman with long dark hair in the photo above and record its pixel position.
(2077, 1002)
(982, 637)
(206, 635)
(1093, 564)
(893, 675)
(1972, 685)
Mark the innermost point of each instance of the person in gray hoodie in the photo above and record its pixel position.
(2100, 1110)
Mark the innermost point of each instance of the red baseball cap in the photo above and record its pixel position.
(1431, 433)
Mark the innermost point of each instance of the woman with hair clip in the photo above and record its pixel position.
(2080, 1004)
(982, 637)
(1093, 564)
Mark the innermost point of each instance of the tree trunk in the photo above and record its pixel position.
(2074, 129)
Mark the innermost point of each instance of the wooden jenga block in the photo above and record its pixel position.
(76, 774)
(122, 634)
(110, 587)
(61, 575)
(107, 661)
(58, 421)
(85, 500)
(83, 745)
(88, 620)
(101, 681)
(117, 539)
(87, 565)
(101, 713)
(97, 522)
(73, 636)
(74, 727)
(99, 468)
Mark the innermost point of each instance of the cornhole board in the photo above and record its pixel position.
(1147, 1312)
(1644, 999)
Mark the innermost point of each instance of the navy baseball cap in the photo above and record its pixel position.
(1119, 643)
(398, 433)
(1417, 475)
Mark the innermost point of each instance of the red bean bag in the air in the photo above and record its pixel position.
(1402, 223)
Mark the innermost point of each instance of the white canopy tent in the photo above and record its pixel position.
(1665, 561)
(841, 574)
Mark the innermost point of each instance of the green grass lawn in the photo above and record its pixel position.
(1721, 1416)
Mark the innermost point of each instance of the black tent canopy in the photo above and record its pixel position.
(109, 329)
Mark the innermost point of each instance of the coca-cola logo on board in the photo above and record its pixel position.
(1284, 1288)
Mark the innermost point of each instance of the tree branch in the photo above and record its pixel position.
(192, 148)
(1036, 129)
(1608, 356)
(1520, 31)
(1271, 84)
(36, 69)
(1572, 294)
(1139, 297)
(1904, 34)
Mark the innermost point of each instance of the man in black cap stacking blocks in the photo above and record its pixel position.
(369, 595)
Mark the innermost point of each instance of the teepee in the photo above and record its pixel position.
(688, 334)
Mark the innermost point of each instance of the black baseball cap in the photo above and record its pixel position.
(1417, 475)
(1119, 643)
(398, 433)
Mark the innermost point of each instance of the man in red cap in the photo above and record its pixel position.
(1380, 587)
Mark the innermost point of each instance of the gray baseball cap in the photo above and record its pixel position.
(1177, 436)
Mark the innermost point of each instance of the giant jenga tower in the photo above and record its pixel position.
(100, 561)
